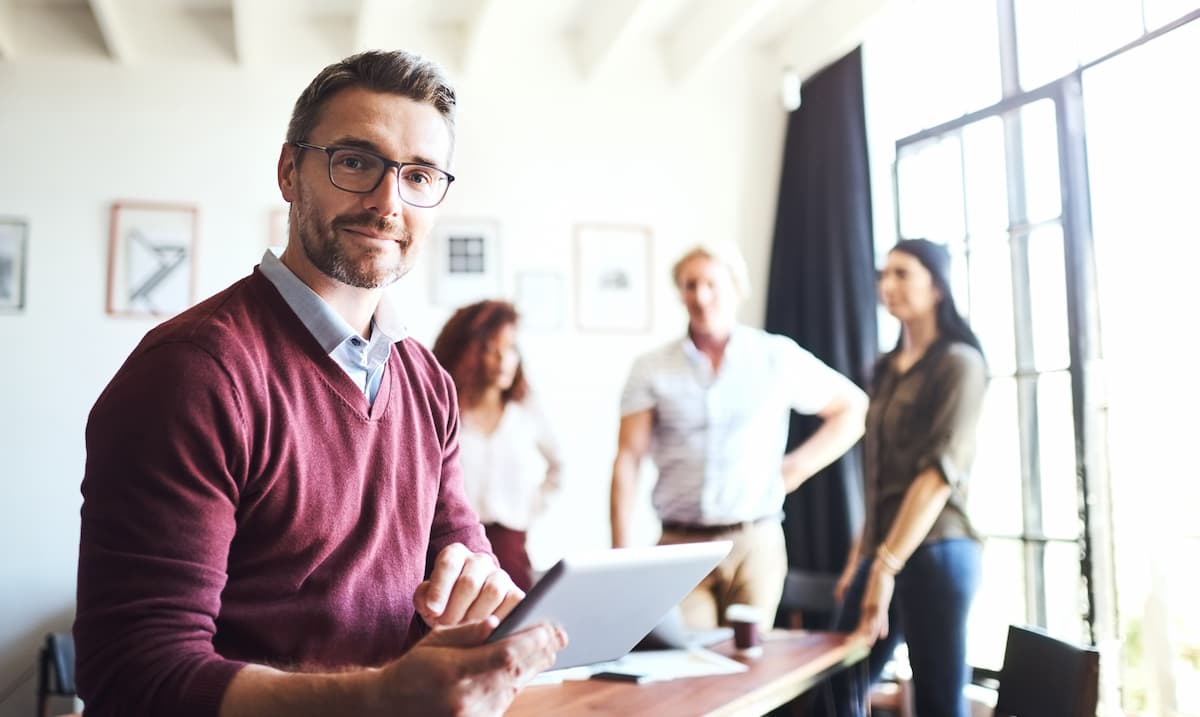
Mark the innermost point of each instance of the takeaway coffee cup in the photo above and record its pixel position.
(745, 619)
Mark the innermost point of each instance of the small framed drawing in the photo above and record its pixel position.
(539, 300)
(467, 262)
(13, 247)
(151, 258)
(613, 269)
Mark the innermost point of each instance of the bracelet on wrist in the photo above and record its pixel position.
(890, 562)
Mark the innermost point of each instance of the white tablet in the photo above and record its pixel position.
(608, 600)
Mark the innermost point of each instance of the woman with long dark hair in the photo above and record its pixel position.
(508, 454)
(914, 570)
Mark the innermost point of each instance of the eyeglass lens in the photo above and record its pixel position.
(356, 171)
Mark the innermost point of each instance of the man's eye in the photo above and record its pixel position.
(418, 175)
(351, 161)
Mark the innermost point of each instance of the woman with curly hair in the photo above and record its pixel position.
(509, 457)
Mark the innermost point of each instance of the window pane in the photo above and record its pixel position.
(1066, 597)
(1048, 299)
(1039, 135)
(1046, 40)
(930, 190)
(908, 81)
(999, 603)
(1110, 24)
(1144, 173)
(1056, 456)
(991, 307)
(986, 191)
(994, 498)
(1163, 12)
(1052, 41)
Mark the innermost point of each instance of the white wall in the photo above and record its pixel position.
(538, 150)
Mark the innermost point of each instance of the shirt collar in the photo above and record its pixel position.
(694, 354)
(326, 325)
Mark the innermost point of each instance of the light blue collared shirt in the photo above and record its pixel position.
(363, 361)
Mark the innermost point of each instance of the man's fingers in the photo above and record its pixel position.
(526, 653)
(491, 594)
(446, 570)
(511, 600)
(474, 574)
(468, 634)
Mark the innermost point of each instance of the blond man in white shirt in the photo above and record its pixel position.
(711, 409)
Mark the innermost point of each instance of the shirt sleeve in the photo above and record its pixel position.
(638, 394)
(956, 402)
(809, 382)
(165, 456)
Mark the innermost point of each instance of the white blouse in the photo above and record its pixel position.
(509, 473)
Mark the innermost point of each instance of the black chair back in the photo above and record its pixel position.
(1046, 677)
(807, 600)
(56, 670)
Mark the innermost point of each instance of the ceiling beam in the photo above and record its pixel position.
(826, 32)
(114, 29)
(8, 19)
(463, 42)
(392, 24)
(247, 31)
(601, 30)
(710, 32)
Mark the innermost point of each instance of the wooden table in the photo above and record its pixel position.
(791, 663)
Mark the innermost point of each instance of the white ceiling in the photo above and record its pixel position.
(686, 34)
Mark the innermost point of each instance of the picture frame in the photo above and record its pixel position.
(14, 248)
(613, 269)
(466, 261)
(151, 258)
(539, 299)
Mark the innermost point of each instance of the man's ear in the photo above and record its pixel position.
(287, 172)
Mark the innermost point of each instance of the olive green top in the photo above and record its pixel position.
(922, 418)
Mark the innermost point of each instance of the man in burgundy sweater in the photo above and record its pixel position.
(273, 511)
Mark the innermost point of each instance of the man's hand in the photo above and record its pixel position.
(465, 587)
(452, 671)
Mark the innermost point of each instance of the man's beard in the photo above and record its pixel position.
(329, 255)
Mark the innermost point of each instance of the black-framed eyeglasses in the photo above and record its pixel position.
(360, 171)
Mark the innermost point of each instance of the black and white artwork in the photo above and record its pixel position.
(151, 258)
(613, 277)
(467, 262)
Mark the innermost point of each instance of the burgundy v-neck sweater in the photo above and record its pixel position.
(243, 503)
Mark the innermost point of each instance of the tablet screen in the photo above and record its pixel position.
(608, 600)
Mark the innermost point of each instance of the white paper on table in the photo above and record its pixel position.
(659, 665)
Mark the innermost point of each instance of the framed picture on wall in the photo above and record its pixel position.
(539, 299)
(466, 261)
(613, 271)
(151, 258)
(14, 238)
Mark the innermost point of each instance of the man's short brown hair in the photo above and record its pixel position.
(396, 72)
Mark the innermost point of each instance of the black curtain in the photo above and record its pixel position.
(822, 289)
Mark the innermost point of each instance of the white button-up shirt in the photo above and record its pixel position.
(719, 439)
(509, 473)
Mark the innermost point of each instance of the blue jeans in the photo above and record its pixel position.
(928, 611)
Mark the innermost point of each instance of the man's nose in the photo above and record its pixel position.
(385, 199)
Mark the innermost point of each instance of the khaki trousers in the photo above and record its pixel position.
(752, 574)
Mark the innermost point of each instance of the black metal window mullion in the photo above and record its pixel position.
(1083, 321)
